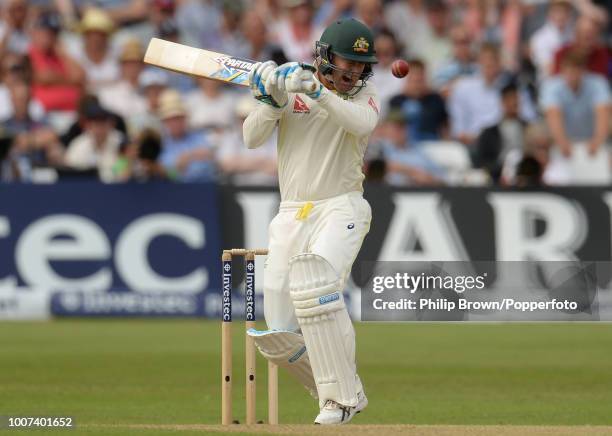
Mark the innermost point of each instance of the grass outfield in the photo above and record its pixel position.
(147, 377)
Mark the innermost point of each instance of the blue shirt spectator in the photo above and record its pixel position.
(577, 106)
(424, 111)
(187, 156)
(174, 149)
(407, 164)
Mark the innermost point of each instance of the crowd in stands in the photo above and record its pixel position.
(509, 92)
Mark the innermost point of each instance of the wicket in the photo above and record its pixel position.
(250, 355)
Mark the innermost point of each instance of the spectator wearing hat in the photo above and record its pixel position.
(406, 163)
(95, 55)
(187, 155)
(242, 165)
(123, 97)
(556, 32)
(83, 108)
(13, 27)
(576, 105)
(57, 78)
(587, 42)
(424, 110)
(98, 146)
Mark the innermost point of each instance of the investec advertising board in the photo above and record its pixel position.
(154, 249)
(95, 249)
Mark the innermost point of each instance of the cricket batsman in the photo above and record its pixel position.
(324, 117)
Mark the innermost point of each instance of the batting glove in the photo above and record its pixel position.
(258, 77)
(295, 77)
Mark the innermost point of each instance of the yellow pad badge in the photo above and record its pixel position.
(304, 211)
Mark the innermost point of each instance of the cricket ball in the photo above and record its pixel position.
(400, 68)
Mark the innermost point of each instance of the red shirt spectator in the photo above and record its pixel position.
(57, 78)
(587, 43)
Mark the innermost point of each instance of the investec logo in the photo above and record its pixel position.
(250, 291)
(227, 291)
(236, 63)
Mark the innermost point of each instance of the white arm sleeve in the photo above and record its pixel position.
(260, 124)
(358, 117)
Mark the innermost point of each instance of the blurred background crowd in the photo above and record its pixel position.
(509, 92)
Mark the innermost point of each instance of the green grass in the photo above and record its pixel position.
(168, 372)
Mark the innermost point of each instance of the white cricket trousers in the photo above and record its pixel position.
(333, 228)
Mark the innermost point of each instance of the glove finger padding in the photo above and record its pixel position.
(300, 81)
(259, 76)
(275, 86)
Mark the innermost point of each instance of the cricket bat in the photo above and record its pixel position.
(202, 63)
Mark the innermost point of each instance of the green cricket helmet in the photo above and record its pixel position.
(350, 39)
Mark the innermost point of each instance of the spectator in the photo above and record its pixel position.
(588, 43)
(78, 127)
(13, 27)
(123, 97)
(210, 106)
(296, 33)
(139, 160)
(330, 11)
(556, 33)
(152, 82)
(474, 102)
(435, 48)
(244, 166)
(495, 142)
(98, 146)
(187, 156)
(14, 69)
(406, 164)
(230, 26)
(576, 105)
(407, 20)
(424, 110)
(181, 82)
(528, 173)
(58, 79)
(256, 44)
(459, 65)
(34, 139)
(94, 55)
(200, 23)
(386, 84)
(538, 145)
(370, 12)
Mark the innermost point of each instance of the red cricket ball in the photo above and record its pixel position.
(400, 68)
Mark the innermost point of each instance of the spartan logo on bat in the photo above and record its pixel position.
(235, 63)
